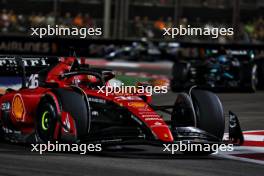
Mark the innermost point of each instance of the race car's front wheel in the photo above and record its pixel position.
(179, 74)
(260, 73)
(46, 121)
(209, 112)
(209, 117)
(249, 78)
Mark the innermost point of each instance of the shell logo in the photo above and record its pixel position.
(137, 104)
(18, 108)
(166, 135)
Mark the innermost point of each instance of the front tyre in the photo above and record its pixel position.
(209, 117)
(209, 112)
(260, 73)
(179, 74)
(249, 78)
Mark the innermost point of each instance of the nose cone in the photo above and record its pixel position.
(163, 133)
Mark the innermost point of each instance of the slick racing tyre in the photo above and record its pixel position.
(249, 78)
(209, 112)
(209, 117)
(47, 116)
(75, 104)
(260, 73)
(46, 121)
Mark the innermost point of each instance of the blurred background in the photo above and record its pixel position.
(134, 19)
(133, 40)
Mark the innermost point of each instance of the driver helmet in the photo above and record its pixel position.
(222, 59)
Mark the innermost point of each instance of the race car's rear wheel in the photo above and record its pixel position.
(209, 112)
(46, 121)
(48, 116)
(75, 104)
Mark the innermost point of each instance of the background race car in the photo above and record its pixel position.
(217, 70)
(142, 50)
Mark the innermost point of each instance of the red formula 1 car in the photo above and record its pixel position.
(62, 103)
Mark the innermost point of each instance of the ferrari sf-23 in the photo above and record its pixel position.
(61, 102)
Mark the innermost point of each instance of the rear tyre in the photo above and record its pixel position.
(74, 103)
(47, 115)
(46, 121)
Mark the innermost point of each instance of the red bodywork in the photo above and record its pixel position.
(27, 101)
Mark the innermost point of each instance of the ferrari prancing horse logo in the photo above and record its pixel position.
(18, 108)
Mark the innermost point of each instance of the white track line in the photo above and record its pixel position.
(249, 137)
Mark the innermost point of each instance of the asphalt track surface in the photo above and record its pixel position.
(141, 160)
